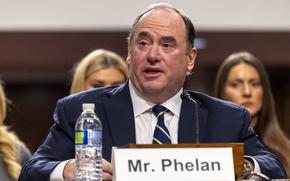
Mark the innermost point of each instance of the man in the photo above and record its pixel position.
(160, 55)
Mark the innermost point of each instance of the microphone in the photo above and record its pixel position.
(185, 96)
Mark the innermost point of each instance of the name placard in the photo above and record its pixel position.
(172, 164)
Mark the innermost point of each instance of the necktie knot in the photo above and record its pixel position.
(159, 110)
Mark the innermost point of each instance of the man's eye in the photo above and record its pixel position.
(142, 43)
(167, 45)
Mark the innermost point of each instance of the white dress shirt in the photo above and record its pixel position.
(145, 120)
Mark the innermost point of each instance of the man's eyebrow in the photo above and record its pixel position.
(143, 34)
(147, 34)
(168, 38)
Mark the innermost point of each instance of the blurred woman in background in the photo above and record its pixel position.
(242, 79)
(13, 153)
(100, 68)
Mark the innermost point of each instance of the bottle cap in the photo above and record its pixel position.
(88, 106)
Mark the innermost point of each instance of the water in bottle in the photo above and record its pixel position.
(88, 145)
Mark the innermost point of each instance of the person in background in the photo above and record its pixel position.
(242, 79)
(161, 54)
(100, 68)
(13, 152)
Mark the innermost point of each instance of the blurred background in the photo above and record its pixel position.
(41, 40)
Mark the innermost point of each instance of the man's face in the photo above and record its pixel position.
(158, 57)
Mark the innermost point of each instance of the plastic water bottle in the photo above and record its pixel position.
(88, 145)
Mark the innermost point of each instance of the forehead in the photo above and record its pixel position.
(163, 21)
(243, 71)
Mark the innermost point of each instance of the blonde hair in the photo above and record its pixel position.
(7, 147)
(96, 60)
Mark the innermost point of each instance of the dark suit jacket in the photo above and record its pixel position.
(220, 122)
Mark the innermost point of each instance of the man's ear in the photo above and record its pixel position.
(128, 59)
(191, 60)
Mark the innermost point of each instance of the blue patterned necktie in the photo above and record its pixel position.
(161, 133)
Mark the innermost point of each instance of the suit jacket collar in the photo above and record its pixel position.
(120, 116)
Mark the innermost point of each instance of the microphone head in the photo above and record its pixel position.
(185, 96)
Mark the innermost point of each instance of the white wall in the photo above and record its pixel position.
(209, 15)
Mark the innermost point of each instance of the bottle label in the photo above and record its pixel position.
(88, 137)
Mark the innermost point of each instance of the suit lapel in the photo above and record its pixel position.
(120, 117)
(187, 124)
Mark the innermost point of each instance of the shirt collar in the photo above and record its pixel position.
(140, 105)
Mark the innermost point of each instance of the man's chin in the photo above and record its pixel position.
(156, 92)
(153, 87)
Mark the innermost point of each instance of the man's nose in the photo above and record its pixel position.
(154, 53)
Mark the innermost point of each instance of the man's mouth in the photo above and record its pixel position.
(152, 72)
